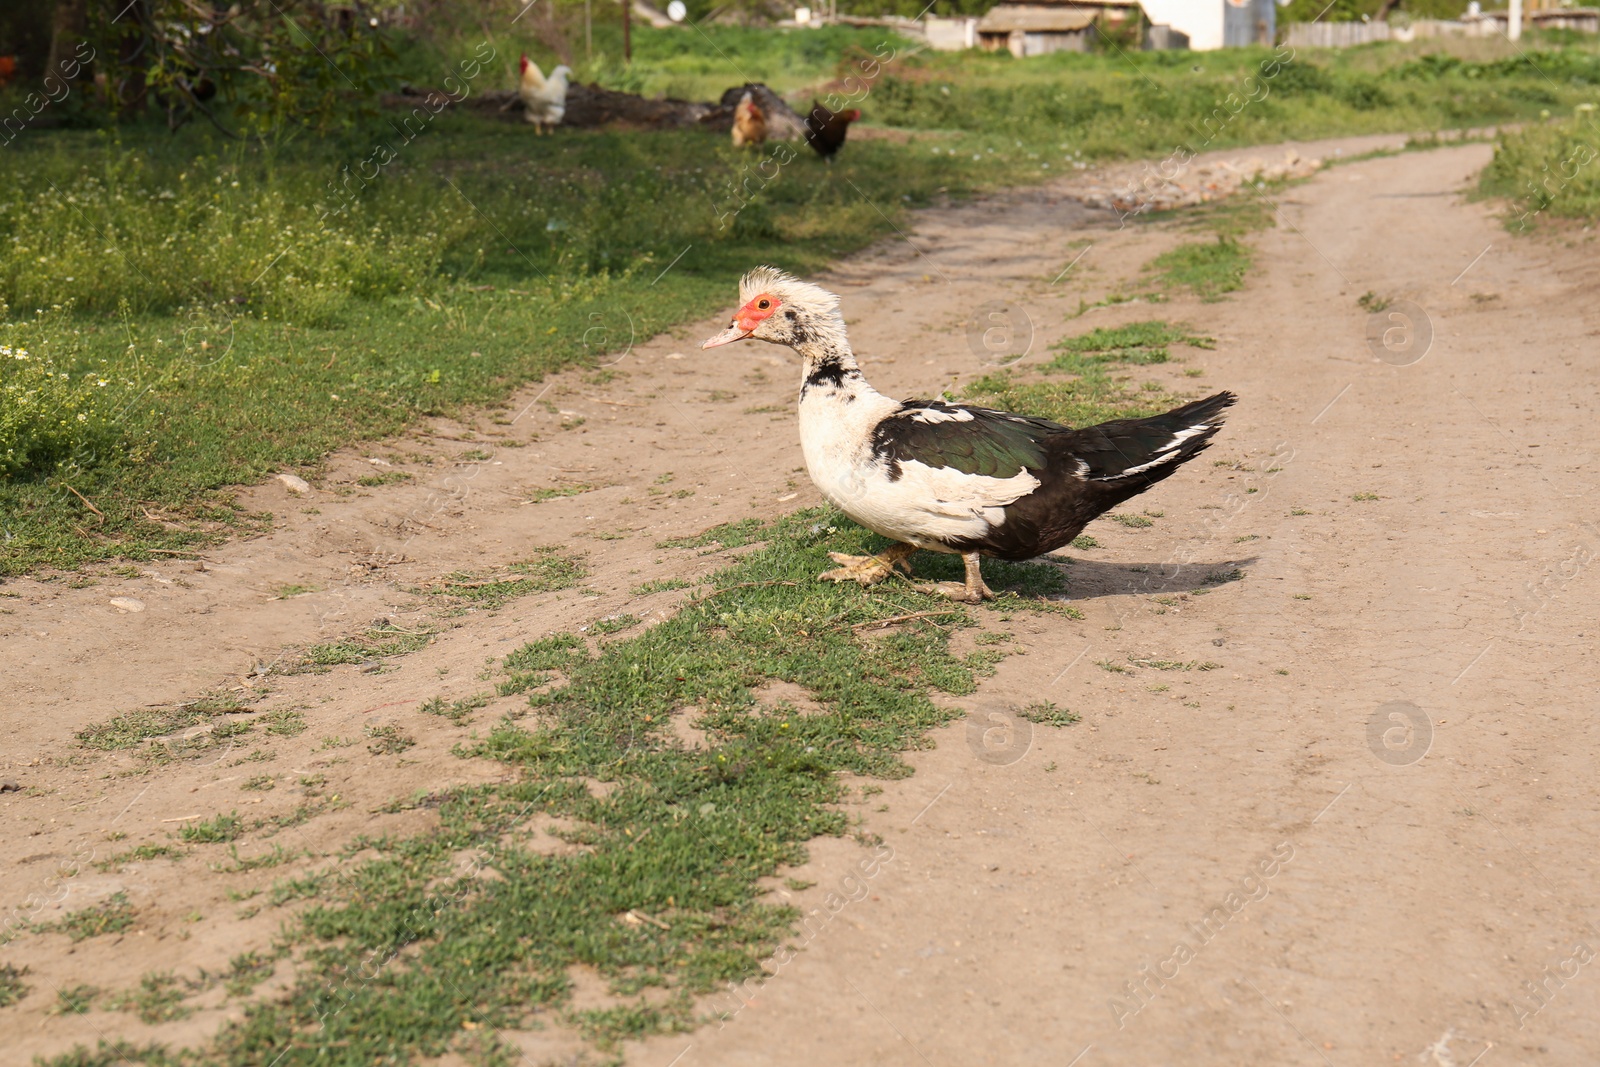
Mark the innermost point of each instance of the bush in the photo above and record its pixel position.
(49, 416)
(1548, 169)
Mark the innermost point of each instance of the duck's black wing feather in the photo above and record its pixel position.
(1082, 473)
(972, 440)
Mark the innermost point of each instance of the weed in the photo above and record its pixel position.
(1084, 541)
(246, 971)
(459, 711)
(660, 585)
(274, 857)
(12, 987)
(157, 1000)
(1047, 713)
(75, 1000)
(613, 624)
(1364, 496)
(1372, 302)
(544, 574)
(285, 722)
(1209, 268)
(540, 495)
(387, 740)
(1114, 668)
(114, 915)
(1133, 522)
(138, 855)
(219, 829)
(380, 640)
(1175, 664)
(1222, 577)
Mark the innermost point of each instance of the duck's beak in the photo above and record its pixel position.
(727, 337)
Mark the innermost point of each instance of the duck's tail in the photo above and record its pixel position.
(1128, 456)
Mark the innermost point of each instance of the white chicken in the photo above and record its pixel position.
(544, 100)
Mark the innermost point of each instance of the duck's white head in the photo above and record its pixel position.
(782, 309)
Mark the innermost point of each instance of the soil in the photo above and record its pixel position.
(1357, 829)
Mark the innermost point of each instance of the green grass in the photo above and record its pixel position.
(1209, 269)
(139, 854)
(12, 987)
(546, 573)
(218, 829)
(114, 915)
(682, 836)
(1096, 392)
(241, 331)
(387, 740)
(75, 999)
(1047, 713)
(1135, 343)
(1548, 171)
(158, 999)
(457, 711)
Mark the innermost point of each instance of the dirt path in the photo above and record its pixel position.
(1248, 864)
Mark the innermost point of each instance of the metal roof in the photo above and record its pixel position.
(1036, 18)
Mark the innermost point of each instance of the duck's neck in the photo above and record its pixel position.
(830, 366)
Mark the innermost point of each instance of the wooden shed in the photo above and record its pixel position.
(1044, 26)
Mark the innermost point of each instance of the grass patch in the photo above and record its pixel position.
(547, 573)
(159, 999)
(457, 711)
(387, 740)
(1132, 522)
(613, 624)
(12, 987)
(1175, 665)
(1209, 269)
(1547, 171)
(1047, 713)
(218, 829)
(376, 642)
(114, 915)
(284, 722)
(139, 854)
(681, 836)
(129, 729)
(75, 1000)
(1135, 343)
(659, 585)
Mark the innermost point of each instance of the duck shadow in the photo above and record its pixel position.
(1058, 577)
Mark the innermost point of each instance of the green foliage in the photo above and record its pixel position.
(546, 573)
(458, 711)
(1208, 268)
(1137, 343)
(387, 740)
(75, 999)
(52, 415)
(157, 1000)
(271, 321)
(1048, 714)
(12, 987)
(218, 829)
(1549, 170)
(114, 915)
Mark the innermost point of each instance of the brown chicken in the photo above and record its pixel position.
(825, 129)
(749, 123)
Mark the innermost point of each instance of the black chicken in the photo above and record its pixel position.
(825, 129)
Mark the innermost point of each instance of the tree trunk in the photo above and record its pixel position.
(69, 27)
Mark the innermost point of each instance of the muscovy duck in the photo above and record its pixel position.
(951, 477)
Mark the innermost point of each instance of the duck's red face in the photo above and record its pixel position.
(746, 321)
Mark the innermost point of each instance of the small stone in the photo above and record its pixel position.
(126, 604)
(294, 483)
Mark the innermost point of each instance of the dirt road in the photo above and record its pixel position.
(1367, 835)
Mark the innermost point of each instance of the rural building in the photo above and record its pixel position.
(1044, 26)
(1217, 23)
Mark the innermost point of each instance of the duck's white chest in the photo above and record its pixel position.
(836, 440)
